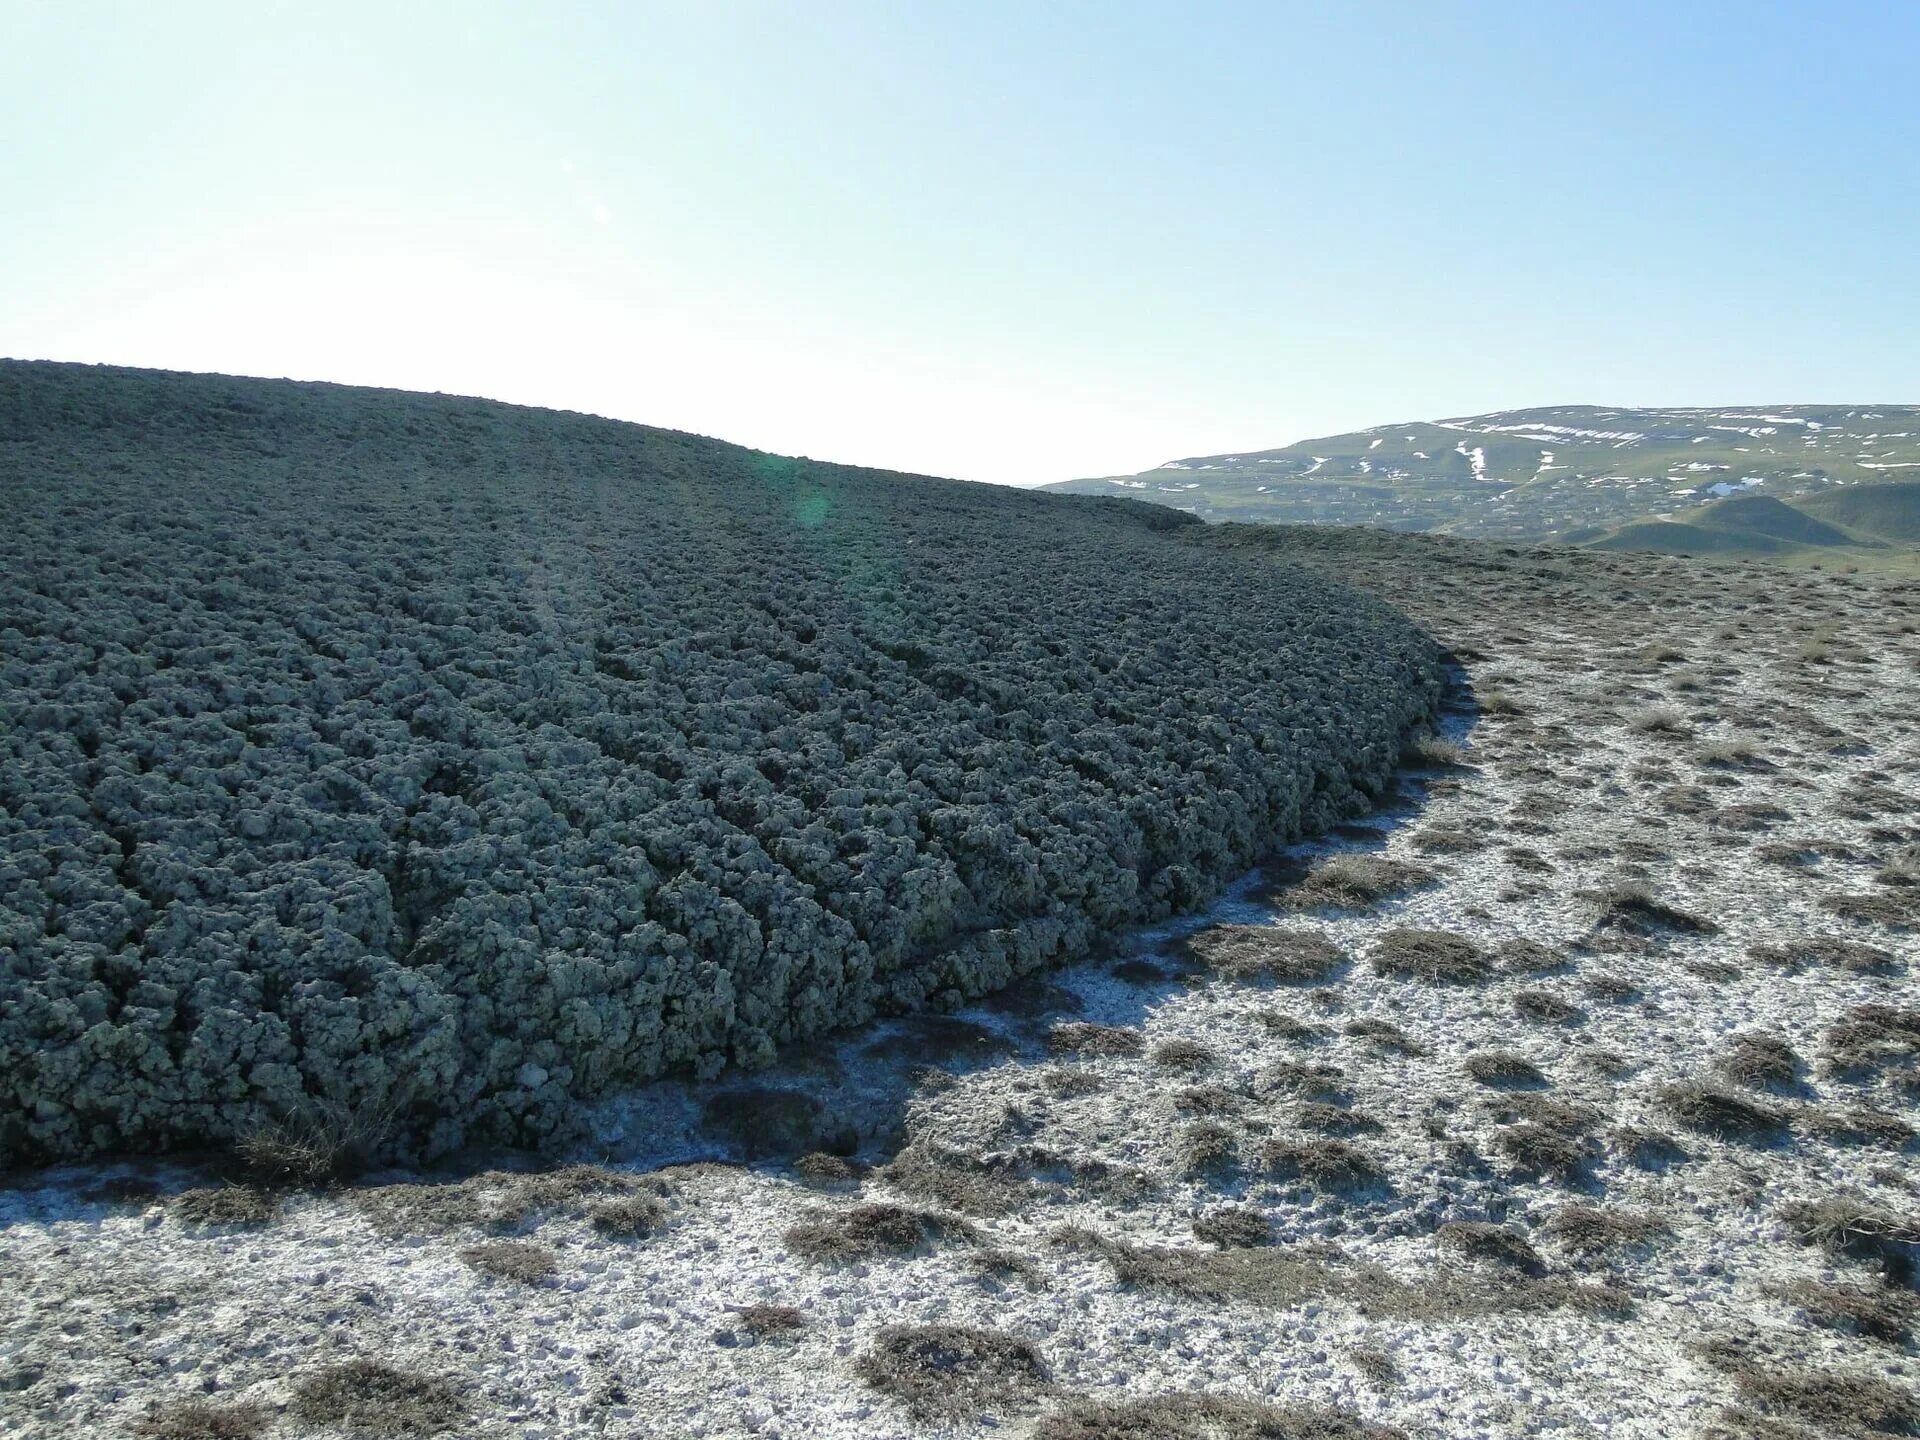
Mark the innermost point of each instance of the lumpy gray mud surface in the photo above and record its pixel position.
(1577, 1099)
(454, 762)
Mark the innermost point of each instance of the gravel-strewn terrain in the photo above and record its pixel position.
(380, 755)
(1576, 1099)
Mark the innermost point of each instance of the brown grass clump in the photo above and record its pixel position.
(1209, 1100)
(1858, 1125)
(521, 1261)
(226, 1205)
(1759, 1060)
(1503, 1068)
(1872, 1038)
(1659, 720)
(1496, 1244)
(821, 1168)
(1001, 1264)
(1591, 1230)
(1332, 1165)
(1614, 989)
(1434, 955)
(1721, 1113)
(203, 1420)
(1283, 954)
(1633, 908)
(1544, 1149)
(629, 1216)
(1199, 1416)
(954, 1181)
(1327, 1119)
(321, 1145)
(1205, 1147)
(1434, 752)
(767, 1321)
(1355, 882)
(1833, 1401)
(1546, 1008)
(1086, 1038)
(496, 1199)
(1874, 1312)
(1385, 1034)
(1182, 1054)
(1853, 956)
(1234, 1227)
(368, 1397)
(1890, 909)
(863, 1232)
(1845, 1225)
(951, 1372)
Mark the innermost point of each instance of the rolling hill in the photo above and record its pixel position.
(1566, 472)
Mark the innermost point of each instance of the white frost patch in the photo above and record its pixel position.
(1888, 464)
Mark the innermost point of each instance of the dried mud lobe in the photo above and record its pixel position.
(410, 753)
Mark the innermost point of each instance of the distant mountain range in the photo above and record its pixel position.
(1670, 479)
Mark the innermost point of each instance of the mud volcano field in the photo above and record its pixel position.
(448, 762)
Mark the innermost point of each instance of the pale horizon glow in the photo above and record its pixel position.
(991, 243)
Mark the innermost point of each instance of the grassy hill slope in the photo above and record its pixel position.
(370, 753)
(1542, 473)
(1884, 512)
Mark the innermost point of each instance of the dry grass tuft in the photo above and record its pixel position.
(1852, 956)
(1544, 1150)
(1327, 1119)
(1873, 1312)
(954, 1181)
(629, 1216)
(1182, 1054)
(1199, 1416)
(1830, 1400)
(821, 1168)
(1503, 1068)
(1845, 1225)
(1332, 1165)
(226, 1205)
(1086, 1038)
(521, 1261)
(1590, 1230)
(203, 1420)
(1759, 1060)
(767, 1321)
(1385, 1034)
(1234, 1227)
(1723, 1114)
(1355, 882)
(1434, 955)
(1872, 1038)
(1495, 1244)
(1205, 1147)
(1546, 1008)
(1282, 954)
(863, 1232)
(367, 1397)
(497, 1199)
(952, 1372)
(1633, 908)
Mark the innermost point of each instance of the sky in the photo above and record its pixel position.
(1015, 242)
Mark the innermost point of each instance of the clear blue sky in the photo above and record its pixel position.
(1009, 241)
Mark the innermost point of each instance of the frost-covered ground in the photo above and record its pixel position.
(1681, 856)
